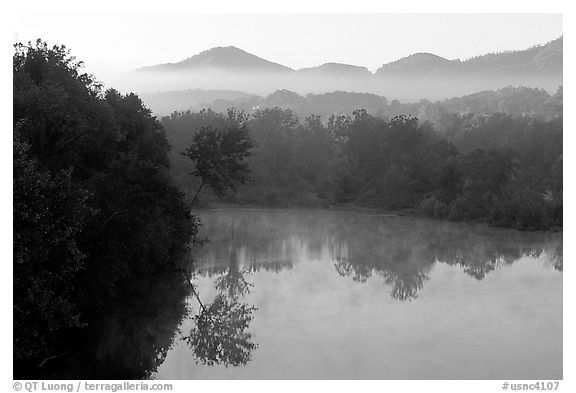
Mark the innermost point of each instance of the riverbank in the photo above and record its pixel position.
(364, 210)
(369, 211)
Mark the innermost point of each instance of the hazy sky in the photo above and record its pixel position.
(112, 44)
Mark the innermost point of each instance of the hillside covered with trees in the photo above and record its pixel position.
(95, 208)
(514, 101)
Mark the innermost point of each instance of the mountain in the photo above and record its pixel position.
(227, 58)
(418, 65)
(336, 69)
(537, 60)
(412, 78)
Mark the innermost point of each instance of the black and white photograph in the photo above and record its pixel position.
(287, 196)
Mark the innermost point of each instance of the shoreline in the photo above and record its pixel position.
(367, 211)
(363, 210)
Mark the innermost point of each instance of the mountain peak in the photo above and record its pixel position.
(222, 50)
(337, 69)
(222, 58)
(418, 59)
(228, 66)
(417, 65)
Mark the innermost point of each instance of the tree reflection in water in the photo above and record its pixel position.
(220, 333)
(557, 259)
(134, 336)
(401, 252)
(232, 281)
(404, 251)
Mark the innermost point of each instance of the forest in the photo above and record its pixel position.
(485, 167)
(94, 204)
(103, 191)
(515, 101)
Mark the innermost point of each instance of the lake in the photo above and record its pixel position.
(286, 294)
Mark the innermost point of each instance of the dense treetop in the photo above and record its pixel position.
(94, 205)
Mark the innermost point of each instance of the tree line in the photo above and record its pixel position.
(514, 101)
(487, 167)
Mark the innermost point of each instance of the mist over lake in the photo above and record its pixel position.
(352, 296)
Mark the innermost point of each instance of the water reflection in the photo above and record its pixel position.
(399, 251)
(135, 340)
(220, 335)
(220, 331)
(132, 340)
(557, 258)
(232, 281)
(343, 295)
(288, 294)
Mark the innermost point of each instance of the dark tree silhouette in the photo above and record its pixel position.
(94, 206)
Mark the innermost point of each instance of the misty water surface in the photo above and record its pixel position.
(335, 295)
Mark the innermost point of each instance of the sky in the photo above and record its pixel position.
(111, 45)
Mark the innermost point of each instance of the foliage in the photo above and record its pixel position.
(94, 206)
(464, 171)
(49, 213)
(219, 153)
(219, 335)
(513, 101)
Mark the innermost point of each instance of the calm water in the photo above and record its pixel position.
(332, 295)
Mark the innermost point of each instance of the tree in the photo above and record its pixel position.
(94, 205)
(219, 154)
(49, 212)
(274, 129)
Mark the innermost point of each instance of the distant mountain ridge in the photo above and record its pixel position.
(414, 77)
(416, 59)
(230, 57)
(540, 59)
(337, 69)
(539, 56)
